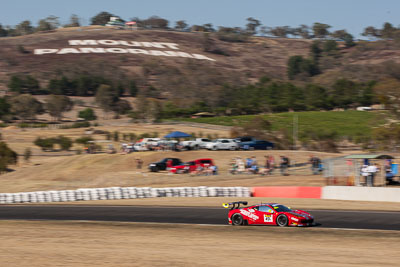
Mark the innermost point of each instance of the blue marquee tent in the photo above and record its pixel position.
(177, 134)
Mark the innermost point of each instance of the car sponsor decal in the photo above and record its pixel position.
(250, 215)
(267, 218)
(295, 219)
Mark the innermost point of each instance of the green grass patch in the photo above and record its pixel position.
(346, 123)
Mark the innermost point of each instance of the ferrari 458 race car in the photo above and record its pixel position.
(268, 214)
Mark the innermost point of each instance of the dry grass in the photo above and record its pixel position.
(103, 170)
(133, 244)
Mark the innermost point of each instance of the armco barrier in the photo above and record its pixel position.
(110, 193)
(287, 192)
(361, 193)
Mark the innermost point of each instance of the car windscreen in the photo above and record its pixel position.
(281, 208)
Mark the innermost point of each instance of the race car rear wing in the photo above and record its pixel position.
(234, 205)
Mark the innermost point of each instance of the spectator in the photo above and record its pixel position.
(315, 164)
(284, 165)
(139, 163)
(214, 169)
(372, 170)
(364, 174)
(249, 162)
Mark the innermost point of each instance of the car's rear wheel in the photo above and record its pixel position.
(282, 220)
(237, 219)
(214, 148)
(154, 169)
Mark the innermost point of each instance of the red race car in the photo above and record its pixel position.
(192, 166)
(268, 214)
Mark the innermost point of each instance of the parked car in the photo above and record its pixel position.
(220, 144)
(267, 214)
(196, 143)
(162, 164)
(256, 144)
(244, 139)
(191, 166)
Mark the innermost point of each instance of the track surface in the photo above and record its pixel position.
(190, 215)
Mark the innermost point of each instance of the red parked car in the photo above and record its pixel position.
(267, 214)
(192, 166)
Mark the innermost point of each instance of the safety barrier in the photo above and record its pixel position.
(287, 191)
(361, 193)
(111, 193)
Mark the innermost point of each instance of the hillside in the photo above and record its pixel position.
(259, 56)
(217, 62)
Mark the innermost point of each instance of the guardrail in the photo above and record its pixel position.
(110, 193)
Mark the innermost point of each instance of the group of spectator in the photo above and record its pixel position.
(251, 166)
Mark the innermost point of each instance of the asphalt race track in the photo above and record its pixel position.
(190, 215)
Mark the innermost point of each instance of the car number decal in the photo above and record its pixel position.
(267, 218)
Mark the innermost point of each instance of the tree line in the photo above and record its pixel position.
(252, 27)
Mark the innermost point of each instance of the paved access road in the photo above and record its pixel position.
(191, 215)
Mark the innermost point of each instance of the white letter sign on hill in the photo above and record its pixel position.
(119, 50)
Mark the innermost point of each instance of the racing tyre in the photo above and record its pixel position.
(232, 148)
(214, 148)
(237, 219)
(282, 220)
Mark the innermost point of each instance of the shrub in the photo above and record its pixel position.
(83, 140)
(87, 114)
(7, 157)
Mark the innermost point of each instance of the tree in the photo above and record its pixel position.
(87, 114)
(330, 45)
(181, 25)
(101, 19)
(46, 144)
(64, 142)
(24, 28)
(24, 85)
(133, 89)
(48, 24)
(57, 105)
(7, 157)
(298, 64)
(208, 27)
(344, 36)
(155, 22)
(315, 50)
(280, 31)
(388, 31)
(25, 106)
(371, 31)
(74, 21)
(320, 30)
(303, 31)
(252, 25)
(4, 107)
(106, 97)
(121, 106)
(3, 31)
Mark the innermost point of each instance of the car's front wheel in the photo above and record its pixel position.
(237, 219)
(282, 220)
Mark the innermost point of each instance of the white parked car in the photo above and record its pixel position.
(196, 143)
(219, 144)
